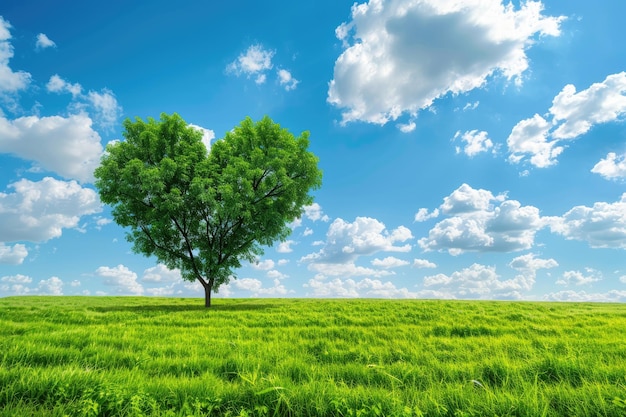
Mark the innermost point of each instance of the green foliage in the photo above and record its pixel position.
(204, 212)
(147, 356)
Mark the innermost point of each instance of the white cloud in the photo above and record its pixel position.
(479, 221)
(622, 279)
(613, 296)
(17, 279)
(285, 247)
(75, 283)
(254, 62)
(274, 274)
(286, 80)
(365, 236)
(530, 138)
(389, 262)
(56, 84)
(407, 127)
(311, 212)
(10, 82)
(423, 263)
(350, 288)
(161, 273)
(578, 278)
(602, 226)
(264, 265)
(573, 114)
(103, 222)
(471, 106)
(528, 265)
(256, 287)
(18, 285)
(50, 286)
(422, 215)
(161, 291)
(347, 269)
(600, 103)
(466, 199)
(105, 106)
(67, 146)
(12, 255)
(122, 278)
(39, 211)
(612, 167)
(207, 135)
(314, 212)
(477, 281)
(43, 42)
(15, 284)
(307, 232)
(402, 55)
(475, 142)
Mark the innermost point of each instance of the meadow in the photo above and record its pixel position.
(124, 356)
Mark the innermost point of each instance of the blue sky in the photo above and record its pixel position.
(471, 149)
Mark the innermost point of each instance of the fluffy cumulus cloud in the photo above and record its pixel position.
(254, 62)
(39, 211)
(422, 214)
(50, 286)
(43, 42)
(161, 274)
(314, 212)
(423, 263)
(401, 55)
(612, 167)
(21, 285)
(347, 269)
(67, 146)
(603, 225)
(207, 135)
(613, 296)
(10, 81)
(103, 105)
(15, 284)
(479, 221)
(264, 265)
(540, 142)
(256, 289)
(350, 288)
(579, 278)
(311, 212)
(56, 84)
(12, 255)
(527, 266)
(483, 282)
(123, 279)
(285, 247)
(389, 262)
(475, 142)
(286, 80)
(346, 241)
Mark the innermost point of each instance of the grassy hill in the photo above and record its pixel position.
(110, 356)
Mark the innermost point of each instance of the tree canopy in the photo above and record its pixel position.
(205, 211)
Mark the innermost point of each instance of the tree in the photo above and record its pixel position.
(205, 211)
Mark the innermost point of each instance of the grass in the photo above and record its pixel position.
(88, 356)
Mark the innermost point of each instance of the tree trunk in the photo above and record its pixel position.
(207, 296)
(208, 287)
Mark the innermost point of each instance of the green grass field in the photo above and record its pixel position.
(89, 356)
